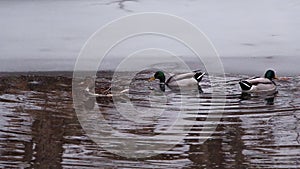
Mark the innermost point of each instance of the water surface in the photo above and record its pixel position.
(40, 129)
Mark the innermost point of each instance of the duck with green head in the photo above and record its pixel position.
(260, 84)
(178, 80)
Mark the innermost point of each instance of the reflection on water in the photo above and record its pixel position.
(39, 127)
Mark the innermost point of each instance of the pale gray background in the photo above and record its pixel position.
(48, 35)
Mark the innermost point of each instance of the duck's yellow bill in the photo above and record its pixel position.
(276, 77)
(151, 79)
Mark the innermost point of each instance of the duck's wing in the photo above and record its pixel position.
(183, 76)
(265, 87)
(257, 81)
(186, 78)
(262, 85)
(179, 77)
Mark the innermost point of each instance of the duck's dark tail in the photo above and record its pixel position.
(199, 75)
(245, 85)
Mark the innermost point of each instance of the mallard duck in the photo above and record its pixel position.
(179, 80)
(260, 84)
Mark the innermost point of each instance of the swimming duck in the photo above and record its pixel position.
(179, 80)
(260, 84)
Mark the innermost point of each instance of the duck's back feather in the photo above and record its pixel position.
(180, 77)
(186, 79)
(260, 80)
(261, 87)
(183, 82)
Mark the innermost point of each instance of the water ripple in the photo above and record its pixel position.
(39, 127)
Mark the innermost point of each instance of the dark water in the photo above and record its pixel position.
(39, 127)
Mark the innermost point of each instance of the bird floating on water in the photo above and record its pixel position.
(179, 80)
(260, 84)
